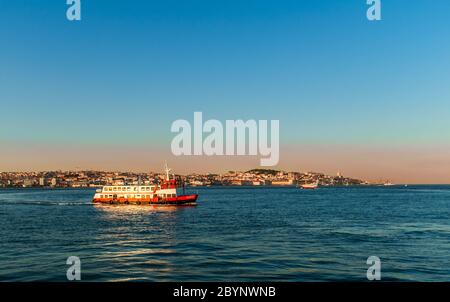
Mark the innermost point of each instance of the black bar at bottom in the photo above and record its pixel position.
(207, 291)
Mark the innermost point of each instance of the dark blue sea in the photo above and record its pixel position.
(234, 234)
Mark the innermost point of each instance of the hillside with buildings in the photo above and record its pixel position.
(85, 179)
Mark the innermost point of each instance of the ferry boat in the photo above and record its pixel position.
(310, 186)
(162, 193)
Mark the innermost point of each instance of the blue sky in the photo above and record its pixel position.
(130, 68)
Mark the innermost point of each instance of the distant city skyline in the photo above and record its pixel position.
(368, 99)
(372, 164)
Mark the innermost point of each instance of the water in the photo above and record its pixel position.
(234, 234)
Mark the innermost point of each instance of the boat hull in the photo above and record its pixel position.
(179, 200)
(309, 186)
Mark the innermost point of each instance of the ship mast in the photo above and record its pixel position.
(167, 172)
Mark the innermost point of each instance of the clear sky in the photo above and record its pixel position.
(350, 94)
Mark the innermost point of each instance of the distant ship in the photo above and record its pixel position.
(162, 193)
(310, 186)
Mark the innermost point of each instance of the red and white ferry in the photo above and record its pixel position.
(163, 193)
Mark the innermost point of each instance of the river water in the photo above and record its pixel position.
(233, 234)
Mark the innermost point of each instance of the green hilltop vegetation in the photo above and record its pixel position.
(263, 171)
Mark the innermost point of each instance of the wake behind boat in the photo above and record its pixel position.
(163, 193)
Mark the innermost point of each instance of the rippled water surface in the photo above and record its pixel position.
(234, 234)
